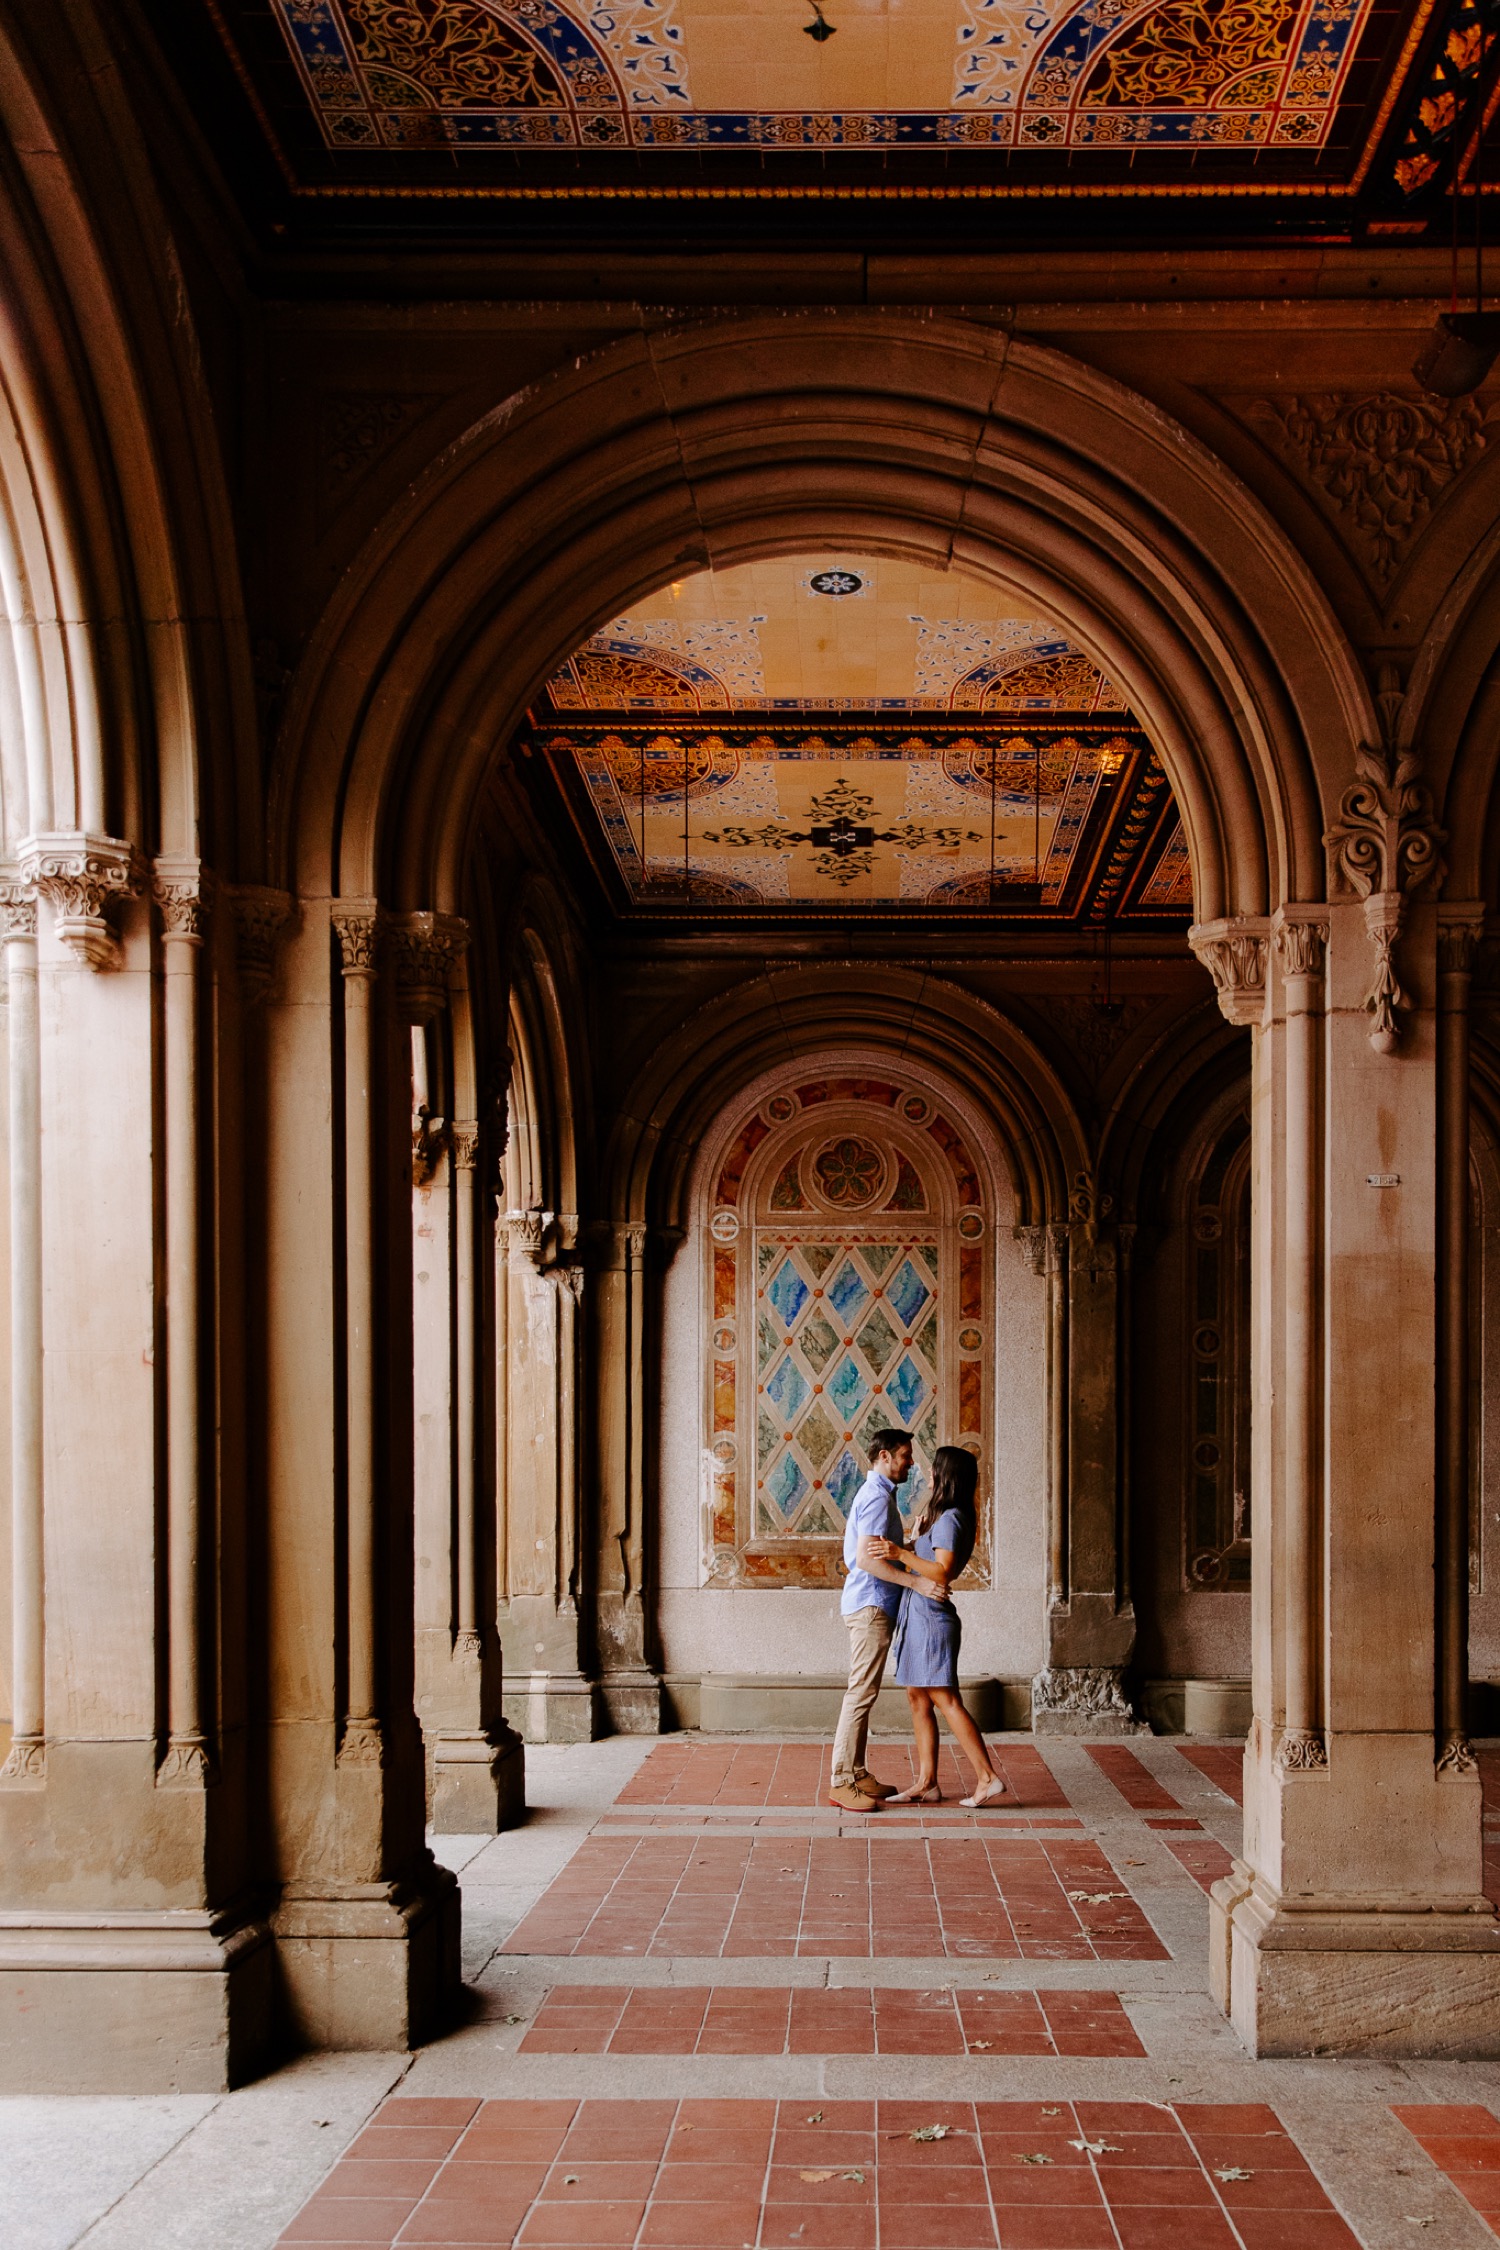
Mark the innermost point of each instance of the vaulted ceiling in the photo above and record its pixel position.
(837, 733)
(1308, 115)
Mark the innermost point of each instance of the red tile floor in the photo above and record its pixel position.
(724, 1851)
(738, 1897)
(726, 2019)
(886, 2175)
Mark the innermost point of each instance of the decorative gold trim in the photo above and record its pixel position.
(1392, 95)
(1063, 190)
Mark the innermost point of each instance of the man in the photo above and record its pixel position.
(869, 1609)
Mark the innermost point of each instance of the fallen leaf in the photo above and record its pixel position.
(931, 2133)
(1097, 2148)
(1135, 1863)
(1095, 1898)
(980, 2046)
(1051, 2113)
(1233, 2172)
(570, 2179)
(1036, 2158)
(515, 2019)
(857, 2177)
(1411, 2222)
(816, 2117)
(817, 2175)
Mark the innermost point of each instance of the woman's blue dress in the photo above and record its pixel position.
(928, 1632)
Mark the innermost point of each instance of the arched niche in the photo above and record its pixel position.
(849, 1260)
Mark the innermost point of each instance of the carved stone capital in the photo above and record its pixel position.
(188, 1764)
(17, 907)
(527, 1232)
(361, 1744)
(1460, 930)
(25, 1766)
(1301, 941)
(1301, 1753)
(1457, 1756)
(423, 949)
(464, 1141)
(261, 918)
(357, 924)
(1233, 951)
(81, 877)
(1033, 1241)
(183, 890)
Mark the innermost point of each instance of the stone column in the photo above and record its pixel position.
(368, 1926)
(551, 1686)
(1090, 1623)
(1460, 927)
(629, 1684)
(182, 896)
(1355, 1919)
(27, 1758)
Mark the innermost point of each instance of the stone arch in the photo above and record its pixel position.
(722, 441)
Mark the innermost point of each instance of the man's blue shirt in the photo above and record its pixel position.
(874, 1515)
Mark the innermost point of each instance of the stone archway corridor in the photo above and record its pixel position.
(710, 2013)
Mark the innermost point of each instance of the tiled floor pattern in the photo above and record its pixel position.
(1136, 1783)
(1463, 2141)
(931, 1820)
(850, 2175)
(1204, 1857)
(706, 1896)
(1224, 1767)
(589, 2019)
(797, 1773)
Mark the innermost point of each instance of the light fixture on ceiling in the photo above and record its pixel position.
(820, 28)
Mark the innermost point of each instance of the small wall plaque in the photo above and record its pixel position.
(1383, 1179)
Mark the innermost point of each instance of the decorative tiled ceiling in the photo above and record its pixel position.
(683, 74)
(847, 733)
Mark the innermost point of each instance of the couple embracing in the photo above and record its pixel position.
(896, 1597)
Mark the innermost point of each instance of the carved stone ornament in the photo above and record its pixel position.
(357, 925)
(423, 949)
(81, 877)
(17, 909)
(1302, 1753)
(183, 891)
(1460, 933)
(1082, 1690)
(1380, 461)
(465, 1145)
(1457, 1756)
(25, 1766)
(1033, 1241)
(429, 1138)
(1386, 844)
(528, 1232)
(468, 1643)
(188, 1764)
(261, 918)
(1301, 945)
(1234, 953)
(361, 1744)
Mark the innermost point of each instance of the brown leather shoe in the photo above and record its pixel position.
(853, 1799)
(879, 1790)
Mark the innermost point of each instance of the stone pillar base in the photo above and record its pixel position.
(478, 1783)
(166, 2003)
(554, 1707)
(1335, 1980)
(374, 1967)
(632, 1701)
(1082, 1699)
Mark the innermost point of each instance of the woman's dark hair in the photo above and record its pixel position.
(955, 1481)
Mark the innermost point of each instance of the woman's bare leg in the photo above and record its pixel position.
(924, 1728)
(965, 1734)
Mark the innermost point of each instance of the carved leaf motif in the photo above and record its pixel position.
(1380, 462)
(356, 427)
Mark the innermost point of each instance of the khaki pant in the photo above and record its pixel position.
(870, 1633)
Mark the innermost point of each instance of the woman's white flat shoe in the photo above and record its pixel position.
(984, 1797)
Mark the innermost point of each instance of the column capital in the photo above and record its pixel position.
(424, 948)
(464, 1142)
(183, 890)
(262, 917)
(81, 876)
(357, 924)
(1233, 950)
(17, 906)
(1459, 932)
(1300, 936)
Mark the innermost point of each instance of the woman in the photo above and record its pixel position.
(929, 1628)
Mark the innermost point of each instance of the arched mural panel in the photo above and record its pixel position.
(848, 1287)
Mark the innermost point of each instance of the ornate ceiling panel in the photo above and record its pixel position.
(684, 74)
(852, 733)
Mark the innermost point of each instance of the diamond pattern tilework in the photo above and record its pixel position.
(823, 1386)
